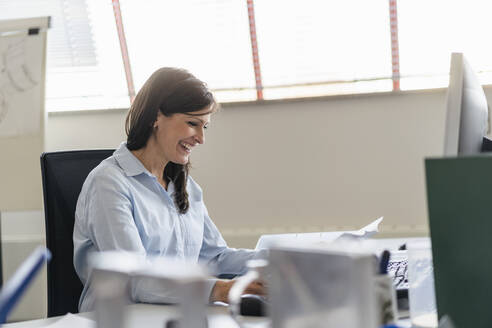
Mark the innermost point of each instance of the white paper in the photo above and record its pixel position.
(366, 232)
(72, 321)
(266, 241)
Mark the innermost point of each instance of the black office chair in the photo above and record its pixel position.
(63, 175)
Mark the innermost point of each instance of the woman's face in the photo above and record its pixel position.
(178, 134)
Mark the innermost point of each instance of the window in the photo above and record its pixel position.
(430, 30)
(210, 38)
(307, 48)
(84, 67)
(323, 47)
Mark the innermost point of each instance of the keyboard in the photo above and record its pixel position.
(397, 268)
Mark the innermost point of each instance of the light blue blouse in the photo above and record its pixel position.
(123, 207)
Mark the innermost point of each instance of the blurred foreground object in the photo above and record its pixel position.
(13, 289)
(115, 272)
(320, 287)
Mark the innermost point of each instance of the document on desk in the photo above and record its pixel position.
(266, 241)
(72, 321)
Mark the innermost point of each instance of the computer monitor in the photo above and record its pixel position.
(466, 111)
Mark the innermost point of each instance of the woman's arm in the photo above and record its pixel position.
(221, 258)
(225, 260)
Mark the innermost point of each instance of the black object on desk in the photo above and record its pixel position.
(383, 262)
(253, 305)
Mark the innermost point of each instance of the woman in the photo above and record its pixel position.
(142, 198)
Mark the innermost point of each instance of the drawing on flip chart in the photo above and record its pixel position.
(21, 93)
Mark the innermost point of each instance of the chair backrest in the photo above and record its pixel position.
(63, 175)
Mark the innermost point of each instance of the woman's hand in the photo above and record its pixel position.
(220, 292)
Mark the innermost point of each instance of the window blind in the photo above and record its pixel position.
(70, 41)
(315, 47)
(84, 68)
(210, 38)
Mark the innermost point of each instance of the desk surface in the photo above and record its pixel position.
(149, 315)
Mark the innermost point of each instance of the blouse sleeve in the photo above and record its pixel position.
(219, 256)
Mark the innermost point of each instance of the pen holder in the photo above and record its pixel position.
(385, 299)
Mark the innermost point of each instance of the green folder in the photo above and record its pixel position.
(459, 197)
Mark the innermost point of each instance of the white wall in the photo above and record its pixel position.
(20, 177)
(305, 165)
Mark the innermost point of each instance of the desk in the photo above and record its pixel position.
(150, 315)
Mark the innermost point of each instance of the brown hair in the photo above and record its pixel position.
(170, 91)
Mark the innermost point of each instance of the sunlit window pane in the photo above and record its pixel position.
(429, 31)
(84, 66)
(210, 38)
(324, 41)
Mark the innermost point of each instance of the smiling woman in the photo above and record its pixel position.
(143, 200)
(167, 118)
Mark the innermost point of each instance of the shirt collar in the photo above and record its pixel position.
(128, 162)
(132, 165)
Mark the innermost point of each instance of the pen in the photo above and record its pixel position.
(383, 262)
